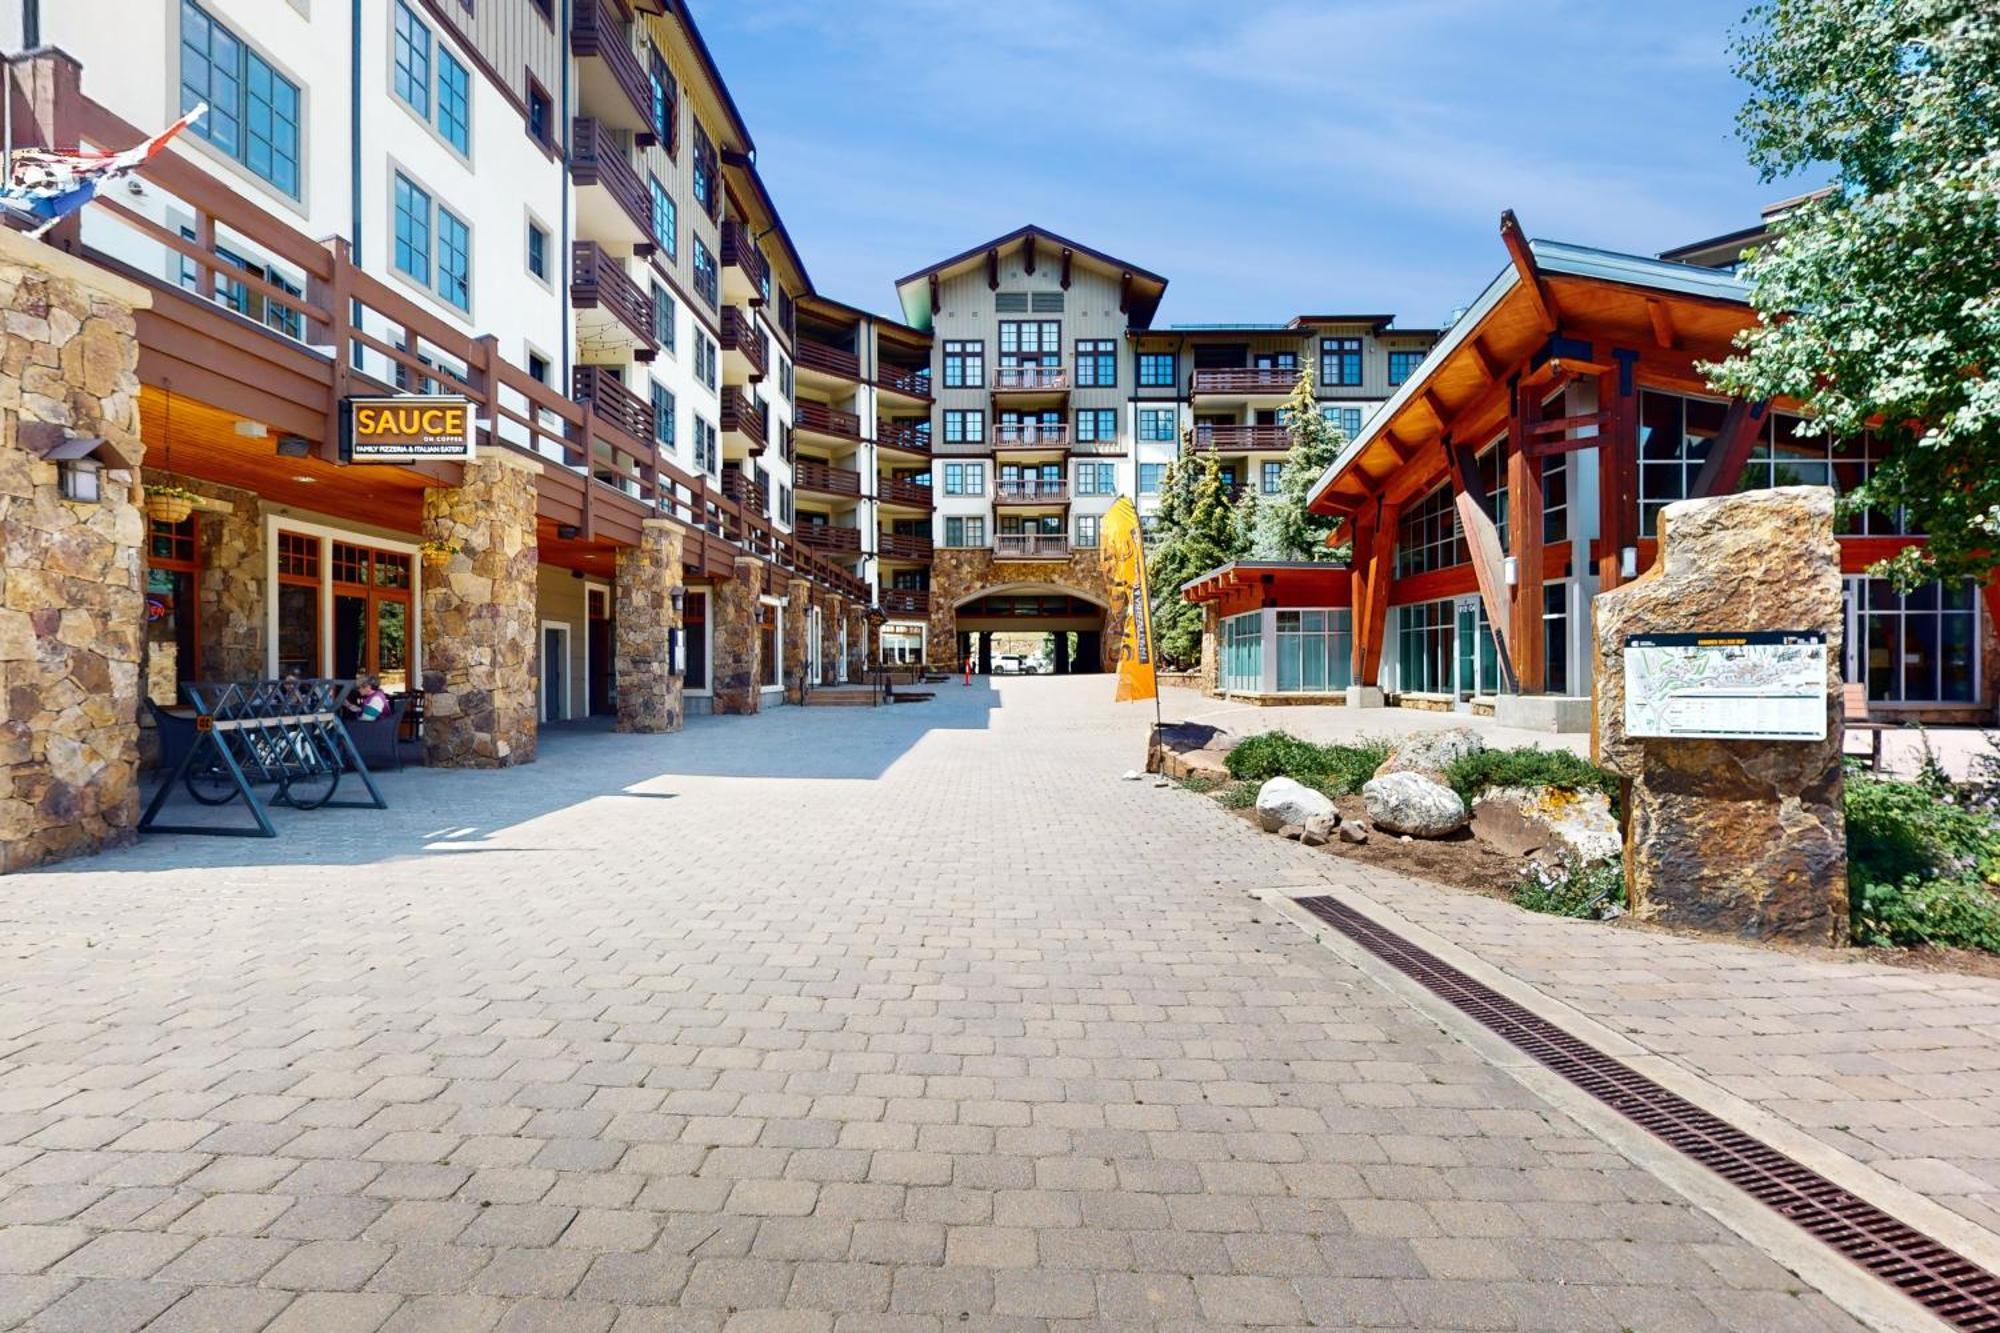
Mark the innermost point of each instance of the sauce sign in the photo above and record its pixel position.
(407, 429)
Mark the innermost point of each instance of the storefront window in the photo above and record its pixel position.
(1243, 652)
(694, 630)
(1315, 650)
(1916, 647)
(1424, 648)
(298, 604)
(371, 614)
(901, 644)
(1555, 637)
(172, 564)
(769, 645)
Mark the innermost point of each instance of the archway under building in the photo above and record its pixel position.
(1042, 627)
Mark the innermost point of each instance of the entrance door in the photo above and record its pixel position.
(815, 626)
(599, 658)
(555, 671)
(1478, 660)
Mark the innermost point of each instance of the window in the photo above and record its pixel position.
(1097, 479)
(1156, 370)
(1086, 529)
(1674, 438)
(664, 431)
(665, 325)
(238, 296)
(770, 646)
(787, 380)
(1031, 337)
(454, 259)
(707, 278)
(413, 61)
(707, 456)
(1096, 363)
(964, 364)
(253, 111)
(965, 478)
(413, 230)
(694, 632)
(1402, 365)
(1555, 498)
(1346, 420)
(541, 115)
(538, 367)
(705, 357)
(538, 250)
(1096, 425)
(454, 98)
(1427, 535)
(968, 531)
(1156, 423)
(1242, 665)
(666, 103)
(1150, 477)
(1424, 648)
(1270, 477)
(1916, 647)
(1555, 638)
(785, 514)
(1339, 362)
(904, 647)
(1786, 456)
(964, 427)
(417, 222)
(666, 219)
(706, 197)
(1315, 650)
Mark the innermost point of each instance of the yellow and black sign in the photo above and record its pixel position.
(407, 428)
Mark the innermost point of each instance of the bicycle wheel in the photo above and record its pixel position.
(311, 775)
(211, 783)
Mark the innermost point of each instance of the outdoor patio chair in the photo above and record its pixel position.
(379, 742)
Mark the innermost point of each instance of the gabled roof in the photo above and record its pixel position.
(735, 133)
(1147, 287)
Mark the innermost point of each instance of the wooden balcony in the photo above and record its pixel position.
(744, 269)
(1032, 491)
(822, 479)
(827, 537)
(810, 355)
(910, 437)
(612, 204)
(1098, 448)
(1030, 435)
(1244, 438)
(1030, 546)
(1245, 380)
(744, 490)
(606, 393)
(896, 491)
(621, 312)
(611, 83)
(906, 601)
(1030, 379)
(897, 546)
(902, 380)
(818, 419)
(743, 347)
(742, 423)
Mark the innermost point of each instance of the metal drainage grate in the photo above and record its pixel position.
(1946, 1283)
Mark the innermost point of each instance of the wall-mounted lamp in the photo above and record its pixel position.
(1511, 570)
(81, 480)
(567, 531)
(1628, 562)
(678, 597)
(294, 446)
(80, 459)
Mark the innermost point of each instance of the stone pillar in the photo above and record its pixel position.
(231, 586)
(798, 598)
(829, 635)
(1211, 650)
(71, 601)
(857, 641)
(1745, 837)
(644, 620)
(732, 606)
(480, 677)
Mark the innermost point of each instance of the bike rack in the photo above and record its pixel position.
(259, 730)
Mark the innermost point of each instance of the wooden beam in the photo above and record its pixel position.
(1482, 539)
(1125, 293)
(1617, 469)
(1516, 242)
(993, 270)
(934, 296)
(1434, 406)
(1371, 597)
(1663, 323)
(1484, 357)
(1028, 254)
(1729, 450)
(1065, 267)
(1524, 537)
(1564, 425)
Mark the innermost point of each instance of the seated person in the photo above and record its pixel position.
(368, 701)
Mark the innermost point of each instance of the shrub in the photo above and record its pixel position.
(1567, 889)
(1238, 796)
(1335, 770)
(1921, 865)
(1955, 913)
(1528, 766)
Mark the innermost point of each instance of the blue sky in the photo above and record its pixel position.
(1268, 158)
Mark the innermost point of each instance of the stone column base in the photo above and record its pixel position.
(1366, 696)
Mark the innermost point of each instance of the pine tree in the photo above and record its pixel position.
(1284, 527)
(1196, 528)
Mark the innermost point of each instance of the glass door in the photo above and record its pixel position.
(1466, 640)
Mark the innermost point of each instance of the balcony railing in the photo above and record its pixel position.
(1245, 379)
(1030, 379)
(745, 491)
(897, 546)
(604, 391)
(1242, 437)
(742, 337)
(812, 416)
(809, 475)
(894, 490)
(832, 360)
(740, 417)
(596, 158)
(597, 279)
(1113, 445)
(915, 383)
(595, 35)
(740, 252)
(1030, 545)
(827, 537)
(1031, 491)
(906, 601)
(910, 436)
(1031, 435)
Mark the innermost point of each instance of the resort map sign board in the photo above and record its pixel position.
(407, 428)
(1768, 686)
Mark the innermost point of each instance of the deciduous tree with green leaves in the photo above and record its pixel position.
(1880, 299)
(1285, 528)
(1196, 527)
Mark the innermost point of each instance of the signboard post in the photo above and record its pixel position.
(1767, 685)
(406, 428)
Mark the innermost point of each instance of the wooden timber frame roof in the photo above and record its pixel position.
(1140, 290)
(1555, 311)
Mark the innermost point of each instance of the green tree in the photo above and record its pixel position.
(1880, 299)
(1285, 528)
(1195, 528)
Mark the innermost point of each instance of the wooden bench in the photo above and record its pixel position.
(1854, 707)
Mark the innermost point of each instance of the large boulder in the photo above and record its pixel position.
(1431, 752)
(1414, 804)
(1190, 750)
(1282, 801)
(1530, 821)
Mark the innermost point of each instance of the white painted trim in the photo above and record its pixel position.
(541, 676)
(327, 535)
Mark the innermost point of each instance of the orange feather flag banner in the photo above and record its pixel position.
(1125, 556)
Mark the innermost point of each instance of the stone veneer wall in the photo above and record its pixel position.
(829, 634)
(1209, 680)
(229, 590)
(960, 574)
(480, 679)
(857, 641)
(798, 601)
(732, 612)
(71, 601)
(649, 690)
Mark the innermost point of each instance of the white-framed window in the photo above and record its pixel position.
(1087, 528)
(965, 478)
(902, 644)
(1156, 423)
(964, 530)
(253, 111)
(706, 358)
(1151, 477)
(665, 322)
(1315, 650)
(1270, 477)
(964, 363)
(427, 78)
(1242, 648)
(1919, 647)
(433, 244)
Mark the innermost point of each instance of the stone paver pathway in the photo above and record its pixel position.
(905, 1019)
